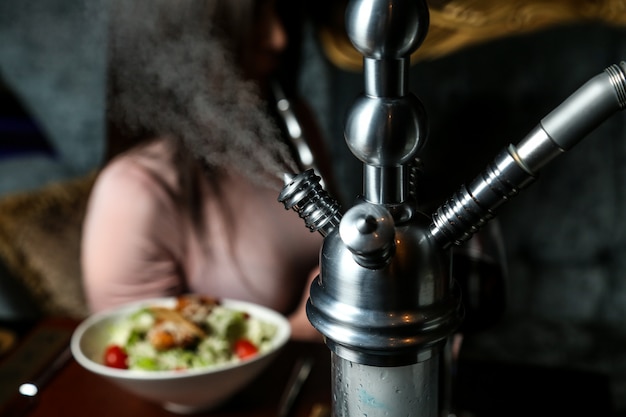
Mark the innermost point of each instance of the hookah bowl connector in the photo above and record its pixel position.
(380, 299)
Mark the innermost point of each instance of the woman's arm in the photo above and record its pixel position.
(301, 328)
(131, 239)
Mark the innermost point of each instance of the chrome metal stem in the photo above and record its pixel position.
(383, 300)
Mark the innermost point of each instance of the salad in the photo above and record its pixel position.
(197, 332)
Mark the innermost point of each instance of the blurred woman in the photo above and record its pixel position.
(192, 206)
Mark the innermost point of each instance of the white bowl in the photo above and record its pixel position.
(182, 392)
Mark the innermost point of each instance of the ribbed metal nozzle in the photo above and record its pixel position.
(617, 75)
(305, 195)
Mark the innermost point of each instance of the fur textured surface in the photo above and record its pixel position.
(40, 243)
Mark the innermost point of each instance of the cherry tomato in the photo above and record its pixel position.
(245, 348)
(115, 357)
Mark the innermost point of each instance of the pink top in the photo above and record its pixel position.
(137, 243)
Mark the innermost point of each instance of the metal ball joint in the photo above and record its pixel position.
(387, 29)
(368, 232)
(386, 131)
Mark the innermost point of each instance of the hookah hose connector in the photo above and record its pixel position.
(514, 168)
(304, 194)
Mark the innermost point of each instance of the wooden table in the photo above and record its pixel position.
(75, 392)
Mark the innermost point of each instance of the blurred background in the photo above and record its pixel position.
(487, 73)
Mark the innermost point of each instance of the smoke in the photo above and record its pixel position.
(173, 77)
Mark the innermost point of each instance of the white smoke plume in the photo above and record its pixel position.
(174, 78)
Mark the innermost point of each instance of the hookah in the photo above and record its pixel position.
(385, 300)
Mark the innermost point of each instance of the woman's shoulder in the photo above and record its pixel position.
(142, 171)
